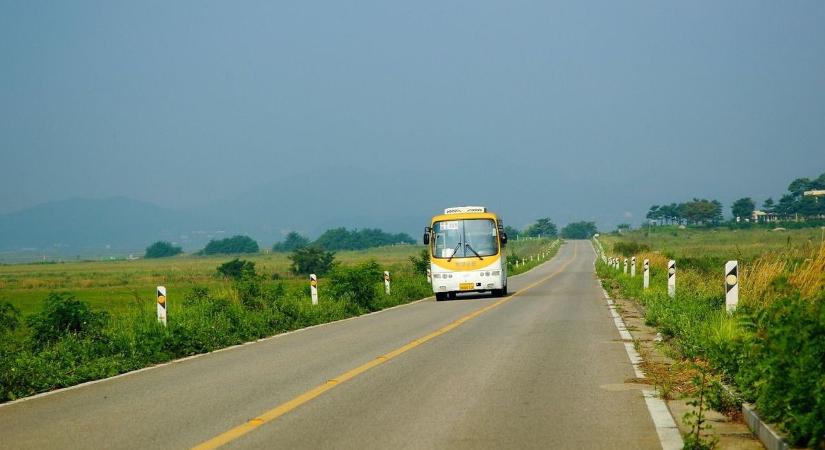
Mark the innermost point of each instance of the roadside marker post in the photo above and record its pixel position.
(646, 268)
(633, 266)
(731, 285)
(161, 291)
(386, 282)
(625, 266)
(313, 288)
(671, 278)
(429, 276)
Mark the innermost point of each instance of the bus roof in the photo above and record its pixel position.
(463, 216)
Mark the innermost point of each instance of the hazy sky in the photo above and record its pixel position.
(574, 109)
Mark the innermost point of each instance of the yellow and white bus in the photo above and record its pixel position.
(467, 252)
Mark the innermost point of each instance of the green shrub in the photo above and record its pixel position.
(311, 259)
(62, 315)
(162, 249)
(421, 263)
(785, 369)
(229, 246)
(357, 285)
(9, 318)
(237, 269)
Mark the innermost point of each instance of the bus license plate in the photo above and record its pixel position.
(466, 286)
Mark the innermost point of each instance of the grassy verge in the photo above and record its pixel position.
(772, 348)
(61, 339)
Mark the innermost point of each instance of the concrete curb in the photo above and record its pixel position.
(769, 437)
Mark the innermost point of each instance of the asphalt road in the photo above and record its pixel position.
(543, 369)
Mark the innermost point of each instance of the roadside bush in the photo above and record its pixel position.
(311, 259)
(357, 285)
(9, 318)
(421, 263)
(62, 315)
(785, 373)
(237, 269)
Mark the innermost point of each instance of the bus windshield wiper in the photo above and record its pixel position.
(474, 252)
(457, 246)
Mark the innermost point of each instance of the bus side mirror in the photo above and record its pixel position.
(503, 238)
(426, 238)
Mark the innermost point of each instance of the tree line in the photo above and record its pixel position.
(331, 240)
(792, 205)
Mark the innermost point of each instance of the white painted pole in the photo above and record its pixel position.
(731, 285)
(633, 266)
(625, 266)
(671, 278)
(646, 273)
(161, 291)
(313, 288)
(429, 276)
(386, 282)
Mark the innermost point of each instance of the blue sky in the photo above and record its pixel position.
(590, 110)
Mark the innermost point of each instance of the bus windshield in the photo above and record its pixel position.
(458, 238)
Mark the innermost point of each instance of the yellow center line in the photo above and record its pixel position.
(283, 408)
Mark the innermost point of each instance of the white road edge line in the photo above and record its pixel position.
(669, 436)
(199, 355)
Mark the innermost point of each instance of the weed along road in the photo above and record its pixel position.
(542, 368)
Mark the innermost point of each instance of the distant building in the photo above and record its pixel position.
(762, 216)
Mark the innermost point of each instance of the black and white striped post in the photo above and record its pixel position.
(646, 269)
(731, 285)
(313, 288)
(386, 282)
(161, 291)
(671, 278)
(625, 266)
(633, 266)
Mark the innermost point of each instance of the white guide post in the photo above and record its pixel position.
(429, 276)
(313, 288)
(633, 266)
(162, 304)
(386, 282)
(625, 266)
(646, 268)
(671, 278)
(731, 285)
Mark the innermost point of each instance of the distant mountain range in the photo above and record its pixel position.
(305, 204)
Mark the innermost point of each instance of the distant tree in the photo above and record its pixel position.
(292, 242)
(342, 239)
(237, 269)
(622, 227)
(543, 227)
(743, 207)
(511, 232)
(312, 259)
(653, 214)
(701, 211)
(229, 246)
(579, 230)
(767, 205)
(162, 249)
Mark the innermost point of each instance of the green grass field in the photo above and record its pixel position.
(720, 242)
(116, 286)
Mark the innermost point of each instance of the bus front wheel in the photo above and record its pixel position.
(439, 296)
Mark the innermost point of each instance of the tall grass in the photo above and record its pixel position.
(772, 348)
